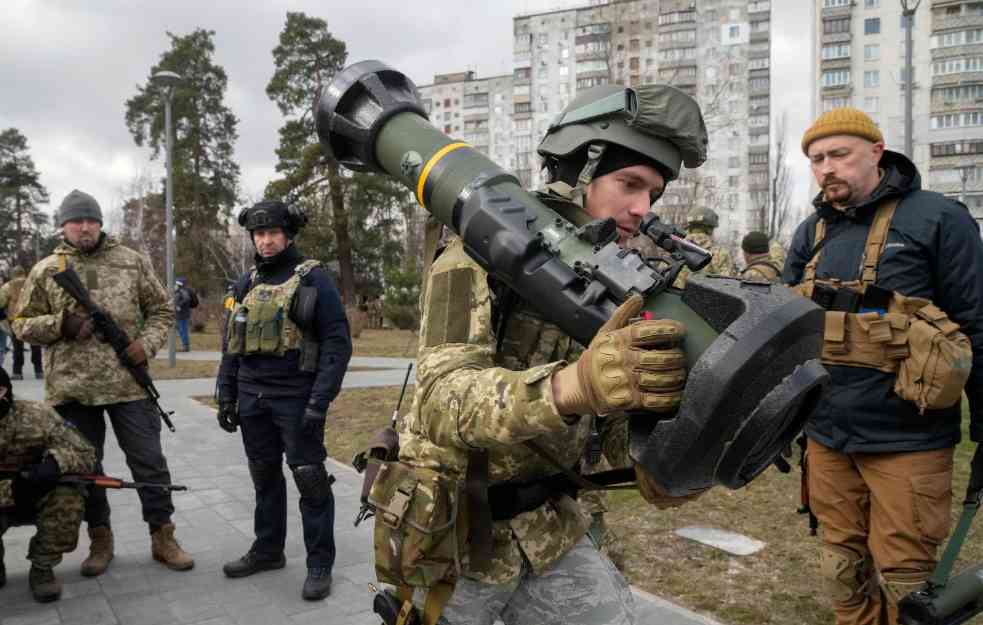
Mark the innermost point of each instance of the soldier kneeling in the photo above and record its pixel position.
(37, 447)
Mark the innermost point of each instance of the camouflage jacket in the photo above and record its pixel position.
(722, 264)
(474, 391)
(763, 268)
(120, 280)
(32, 430)
(10, 292)
(777, 254)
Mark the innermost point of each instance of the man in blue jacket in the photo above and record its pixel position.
(287, 349)
(879, 466)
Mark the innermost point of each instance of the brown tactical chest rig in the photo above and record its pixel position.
(910, 337)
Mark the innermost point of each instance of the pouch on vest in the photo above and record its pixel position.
(263, 327)
(420, 526)
(935, 372)
(236, 343)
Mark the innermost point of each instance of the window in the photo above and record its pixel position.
(835, 51)
(759, 84)
(872, 26)
(835, 103)
(564, 70)
(872, 4)
(831, 4)
(872, 78)
(957, 120)
(871, 104)
(958, 65)
(958, 38)
(956, 94)
(762, 63)
(839, 25)
(758, 158)
(734, 32)
(952, 148)
(836, 78)
(475, 99)
(872, 51)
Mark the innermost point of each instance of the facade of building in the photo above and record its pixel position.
(861, 59)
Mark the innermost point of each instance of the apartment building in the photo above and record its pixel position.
(861, 60)
(475, 110)
(716, 50)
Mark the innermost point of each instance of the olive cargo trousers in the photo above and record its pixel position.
(883, 517)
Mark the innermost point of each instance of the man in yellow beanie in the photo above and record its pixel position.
(880, 451)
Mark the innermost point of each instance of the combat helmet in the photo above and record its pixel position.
(657, 121)
(704, 217)
(273, 214)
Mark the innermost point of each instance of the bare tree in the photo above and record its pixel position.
(776, 214)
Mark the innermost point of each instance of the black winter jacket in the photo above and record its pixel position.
(933, 251)
(275, 376)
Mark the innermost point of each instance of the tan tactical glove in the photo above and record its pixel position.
(653, 493)
(626, 367)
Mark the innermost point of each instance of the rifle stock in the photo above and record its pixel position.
(109, 332)
(13, 471)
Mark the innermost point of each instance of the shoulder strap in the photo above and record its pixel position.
(305, 267)
(765, 263)
(817, 246)
(876, 239)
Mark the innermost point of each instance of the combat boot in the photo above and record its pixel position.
(44, 585)
(317, 585)
(100, 551)
(167, 551)
(251, 563)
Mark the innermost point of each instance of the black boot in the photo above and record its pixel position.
(251, 563)
(317, 585)
(17, 376)
(44, 585)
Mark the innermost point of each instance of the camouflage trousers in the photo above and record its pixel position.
(57, 515)
(581, 588)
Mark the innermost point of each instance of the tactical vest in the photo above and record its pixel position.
(261, 323)
(910, 337)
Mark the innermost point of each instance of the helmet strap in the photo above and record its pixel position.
(594, 153)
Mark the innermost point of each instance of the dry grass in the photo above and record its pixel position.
(380, 343)
(777, 585)
(183, 369)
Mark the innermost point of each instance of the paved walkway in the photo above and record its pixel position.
(214, 521)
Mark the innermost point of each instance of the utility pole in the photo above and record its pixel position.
(908, 10)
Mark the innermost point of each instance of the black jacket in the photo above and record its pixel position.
(934, 251)
(275, 376)
(182, 303)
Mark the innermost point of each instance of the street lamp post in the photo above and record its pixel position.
(169, 80)
(908, 11)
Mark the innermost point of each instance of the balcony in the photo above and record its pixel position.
(837, 11)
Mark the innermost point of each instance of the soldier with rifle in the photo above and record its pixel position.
(97, 356)
(41, 446)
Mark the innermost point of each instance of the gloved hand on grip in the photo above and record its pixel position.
(627, 366)
(228, 416)
(44, 473)
(653, 493)
(75, 327)
(312, 424)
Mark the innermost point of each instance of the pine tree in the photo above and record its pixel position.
(21, 196)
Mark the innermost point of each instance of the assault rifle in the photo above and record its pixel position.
(108, 331)
(11, 471)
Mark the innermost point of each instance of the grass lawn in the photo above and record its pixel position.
(777, 585)
(183, 369)
(386, 343)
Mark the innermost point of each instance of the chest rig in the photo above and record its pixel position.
(261, 323)
(870, 327)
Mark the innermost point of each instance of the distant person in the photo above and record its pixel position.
(9, 298)
(758, 263)
(86, 381)
(185, 299)
(286, 354)
(700, 225)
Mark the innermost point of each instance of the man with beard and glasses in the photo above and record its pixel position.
(43, 447)
(85, 380)
(287, 348)
(891, 264)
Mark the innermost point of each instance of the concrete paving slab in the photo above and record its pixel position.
(214, 522)
(725, 540)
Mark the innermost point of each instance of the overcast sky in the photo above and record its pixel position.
(68, 66)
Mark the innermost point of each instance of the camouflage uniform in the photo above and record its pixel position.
(761, 267)
(30, 430)
(120, 280)
(722, 264)
(777, 254)
(471, 394)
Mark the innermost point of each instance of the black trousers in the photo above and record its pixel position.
(137, 428)
(19, 356)
(271, 430)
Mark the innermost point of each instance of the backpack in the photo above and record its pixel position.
(192, 298)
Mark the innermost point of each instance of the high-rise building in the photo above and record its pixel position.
(716, 50)
(861, 59)
(476, 110)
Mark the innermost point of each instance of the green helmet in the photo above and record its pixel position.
(703, 217)
(657, 121)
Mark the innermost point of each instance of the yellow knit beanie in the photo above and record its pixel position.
(842, 121)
